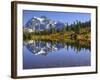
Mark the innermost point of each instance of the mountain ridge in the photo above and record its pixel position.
(43, 23)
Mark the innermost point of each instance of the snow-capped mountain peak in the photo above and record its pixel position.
(42, 23)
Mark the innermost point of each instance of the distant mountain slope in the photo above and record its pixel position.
(43, 23)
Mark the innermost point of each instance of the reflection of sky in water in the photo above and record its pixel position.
(59, 55)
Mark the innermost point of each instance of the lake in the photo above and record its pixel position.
(54, 54)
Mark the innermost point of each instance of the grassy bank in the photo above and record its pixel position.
(83, 35)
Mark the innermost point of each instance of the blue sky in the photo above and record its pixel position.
(68, 17)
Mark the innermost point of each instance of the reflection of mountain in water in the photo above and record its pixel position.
(44, 47)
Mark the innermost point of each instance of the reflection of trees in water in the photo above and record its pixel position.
(38, 47)
(79, 45)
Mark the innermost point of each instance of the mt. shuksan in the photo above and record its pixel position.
(43, 23)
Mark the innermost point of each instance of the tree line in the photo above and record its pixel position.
(75, 27)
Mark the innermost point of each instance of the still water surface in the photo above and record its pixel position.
(51, 54)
